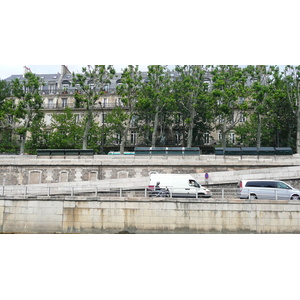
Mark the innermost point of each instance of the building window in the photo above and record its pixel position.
(220, 136)
(206, 138)
(106, 88)
(241, 100)
(65, 88)
(118, 139)
(133, 121)
(242, 118)
(232, 137)
(177, 138)
(64, 102)
(133, 138)
(48, 119)
(52, 88)
(50, 103)
(177, 118)
(118, 102)
(77, 118)
(105, 102)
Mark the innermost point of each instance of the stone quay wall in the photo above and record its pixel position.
(145, 215)
(31, 169)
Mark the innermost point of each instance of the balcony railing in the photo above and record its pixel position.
(72, 105)
(70, 91)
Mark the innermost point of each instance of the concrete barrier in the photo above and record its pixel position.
(145, 215)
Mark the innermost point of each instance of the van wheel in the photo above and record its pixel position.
(295, 197)
(252, 197)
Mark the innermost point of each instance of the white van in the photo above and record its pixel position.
(178, 185)
(266, 189)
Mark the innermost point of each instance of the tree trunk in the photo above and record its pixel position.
(190, 129)
(223, 132)
(258, 134)
(86, 130)
(154, 133)
(22, 145)
(23, 138)
(124, 136)
(298, 130)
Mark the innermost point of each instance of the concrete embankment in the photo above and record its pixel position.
(145, 215)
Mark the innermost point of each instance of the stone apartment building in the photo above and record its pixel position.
(58, 93)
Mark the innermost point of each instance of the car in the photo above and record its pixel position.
(266, 189)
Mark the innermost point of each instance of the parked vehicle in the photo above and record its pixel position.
(177, 185)
(266, 189)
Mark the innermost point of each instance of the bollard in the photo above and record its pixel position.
(96, 192)
(25, 192)
(120, 192)
(48, 191)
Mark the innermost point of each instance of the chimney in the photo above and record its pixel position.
(64, 70)
(26, 70)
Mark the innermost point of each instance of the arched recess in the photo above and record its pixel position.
(122, 174)
(35, 177)
(63, 176)
(93, 176)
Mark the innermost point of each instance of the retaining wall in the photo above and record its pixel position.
(24, 170)
(143, 215)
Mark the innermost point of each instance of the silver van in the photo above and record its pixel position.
(266, 189)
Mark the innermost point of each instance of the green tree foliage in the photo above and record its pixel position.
(91, 84)
(191, 92)
(270, 114)
(130, 91)
(29, 103)
(38, 136)
(66, 132)
(228, 89)
(292, 85)
(8, 142)
(157, 102)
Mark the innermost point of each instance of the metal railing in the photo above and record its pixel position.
(72, 105)
(70, 91)
(28, 191)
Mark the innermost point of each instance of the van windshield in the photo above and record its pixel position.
(282, 185)
(194, 183)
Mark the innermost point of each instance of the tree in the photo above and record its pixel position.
(156, 97)
(191, 93)
(228, 88)
(66, 132)
(260, 77)
(91, 85)
(28, 104)
(7, 120)
(292, 85)
(130, 91)
(38, 136)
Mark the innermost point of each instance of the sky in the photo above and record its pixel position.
(8, 70)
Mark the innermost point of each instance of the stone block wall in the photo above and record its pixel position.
(142, 215)
(19, 170)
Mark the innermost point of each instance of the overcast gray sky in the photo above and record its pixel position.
(8, 70)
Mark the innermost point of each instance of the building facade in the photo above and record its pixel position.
(58, 93)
